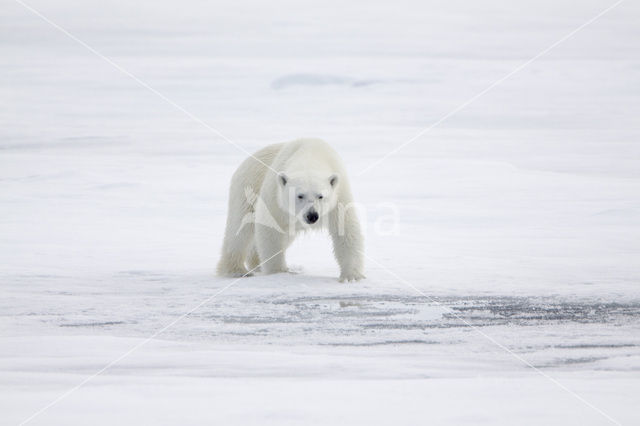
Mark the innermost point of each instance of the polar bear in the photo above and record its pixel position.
(280, 191)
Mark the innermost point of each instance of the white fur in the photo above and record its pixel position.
(265, 213)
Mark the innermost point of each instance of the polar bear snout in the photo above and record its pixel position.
(311, 216)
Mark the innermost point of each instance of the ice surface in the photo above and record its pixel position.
(518, 217)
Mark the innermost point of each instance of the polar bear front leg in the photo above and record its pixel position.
(271, 245)
(348, 243)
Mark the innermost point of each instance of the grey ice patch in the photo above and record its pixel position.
(93, 324)
(317, 80)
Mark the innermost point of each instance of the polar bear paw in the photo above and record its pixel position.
(351, 276)
(295, 269)
(240, 274)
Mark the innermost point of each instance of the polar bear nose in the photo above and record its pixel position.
(312, 216)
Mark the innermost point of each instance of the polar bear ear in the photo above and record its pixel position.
(333, 180)
(282, 178)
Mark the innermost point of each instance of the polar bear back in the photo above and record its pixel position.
(300, 155)
(251, 173)
(304, 155)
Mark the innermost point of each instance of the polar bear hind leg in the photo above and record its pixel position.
(237, 241)
(253, 260)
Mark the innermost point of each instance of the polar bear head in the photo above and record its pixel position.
(307, 196)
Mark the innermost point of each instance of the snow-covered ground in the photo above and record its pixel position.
(503, 245)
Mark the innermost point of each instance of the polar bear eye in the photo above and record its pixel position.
(301, 196)
(320, 197)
